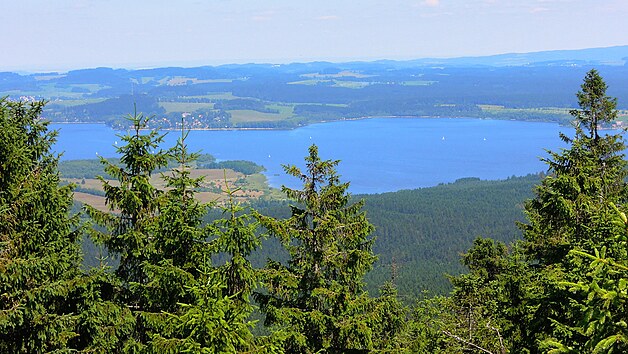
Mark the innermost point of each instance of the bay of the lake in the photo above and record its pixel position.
(377, 155)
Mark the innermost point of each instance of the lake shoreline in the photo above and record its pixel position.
(378, 155)
(316, 122)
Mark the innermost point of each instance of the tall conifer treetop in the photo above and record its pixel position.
(582, 179)
(573, 210)
(318, 298)
(595, 106)
(39, 254)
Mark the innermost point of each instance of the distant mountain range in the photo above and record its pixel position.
(591, 56)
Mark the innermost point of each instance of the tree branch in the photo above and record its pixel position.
(467, 342)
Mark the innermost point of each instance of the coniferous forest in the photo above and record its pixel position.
(169, 281)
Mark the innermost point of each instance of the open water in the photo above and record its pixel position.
(377, 155)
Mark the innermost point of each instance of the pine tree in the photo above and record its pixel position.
(483, 309)
(39, 251)
(317, 300)
(204, 308)
(133, 199)
(605, 300)
(572, 211)
(178, 235)
(129, 235)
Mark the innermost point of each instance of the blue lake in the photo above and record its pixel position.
(377, 155)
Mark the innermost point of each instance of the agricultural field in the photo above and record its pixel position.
(216, 181)
(214, 96)
(246, 116)
(181, 80)
(76, 102)
(54, 91)
(276, 96)
(185, 106)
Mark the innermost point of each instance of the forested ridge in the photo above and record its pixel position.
(532, 87)
(559, 286)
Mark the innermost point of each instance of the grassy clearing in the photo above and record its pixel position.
(351, 84)
(88, 183)
(51, 91)
(48, 77)
(146, 79)
(285, 110)
(90, 87)
(622, 116)
(216, 96)
(542, 110)
(96, 201)
(246, 115)
(76, 102)
(185, 106)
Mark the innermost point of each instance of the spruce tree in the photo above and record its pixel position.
(484, 309)
(129, 227)
(572, 210)
(204, 308)
(317, 300)
(39, 251)
(604, 300)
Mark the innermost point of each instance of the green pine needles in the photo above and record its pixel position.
(39, 250)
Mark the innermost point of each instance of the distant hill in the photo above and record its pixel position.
(591, 56)
(531, 87)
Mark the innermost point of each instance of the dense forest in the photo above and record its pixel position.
(421, 233)
(561, 288)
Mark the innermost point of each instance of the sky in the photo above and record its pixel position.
(44, 35)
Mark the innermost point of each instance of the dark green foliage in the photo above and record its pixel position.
(562, 288)
(135, 200)
(606, 307)
(128, 233)
(596, 108)
(245, 167)
(208, 323)
(236, 238)
(428, 228)
(482, 313)
(487, 303)
(179, 231)
(424, 229)
(573, 210)
(39, 253)
(203, 315)
(317, 300)
(582, 181)
(84, 168)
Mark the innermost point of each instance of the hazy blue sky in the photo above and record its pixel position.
(64, 34)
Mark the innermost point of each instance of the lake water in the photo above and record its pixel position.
(377, 155)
